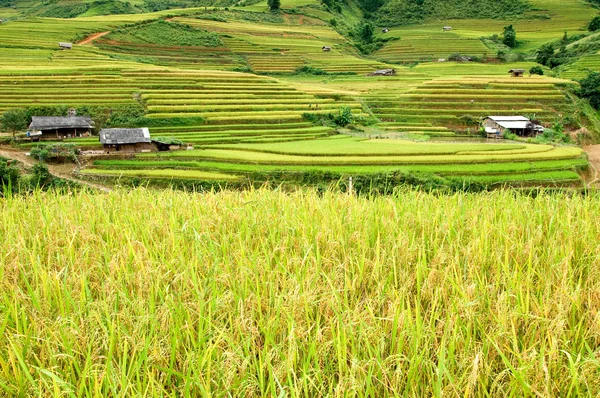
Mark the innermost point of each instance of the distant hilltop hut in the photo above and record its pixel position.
(326, 49)
(496, 126)
(447, 28)
(517, 72)
(126, 140)
(66, 46)
(61, 127)
(383, 72)
(385, 30)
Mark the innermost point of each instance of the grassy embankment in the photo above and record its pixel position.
(264, 293)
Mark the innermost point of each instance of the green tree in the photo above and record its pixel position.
(509, 37)
(274, 5)
(366, 31)
(590, 89)
(9, 176)
(594, 24)
(536, 70)
(13, 121)
(345, 116)
(545, 54)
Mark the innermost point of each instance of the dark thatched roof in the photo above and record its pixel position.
(124, 136)
(60, 122)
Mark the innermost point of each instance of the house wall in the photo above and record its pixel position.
(59, 134)
(494, 125)
(130, 148)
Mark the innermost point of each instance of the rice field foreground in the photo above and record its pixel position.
(262, 293)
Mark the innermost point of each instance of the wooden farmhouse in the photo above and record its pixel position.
(326, 49)
(59, 127)
(126, 140)
(66, 46)
(496, 126)
(517, 72)
(383, 72)
(447, 28)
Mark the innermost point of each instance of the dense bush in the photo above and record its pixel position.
(594, 24)
(9, 176)
(309, 70)
(509, 37)
(536, 70)
(55, 152)
(274, 5)
(168, 140)
(590, 89)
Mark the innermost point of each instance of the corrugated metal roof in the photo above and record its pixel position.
(513, 125)
(508, 118)
(125, 136)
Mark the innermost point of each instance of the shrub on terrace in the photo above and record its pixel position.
(536, 70)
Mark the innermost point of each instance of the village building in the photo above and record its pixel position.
(59, 127)
(326, 48)
(385, 30)
(517, 72)
(66, 46)
(447, 28)
(496, 126)
(126, 140)
(383, 72)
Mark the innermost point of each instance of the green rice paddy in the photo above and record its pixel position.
(253, 122)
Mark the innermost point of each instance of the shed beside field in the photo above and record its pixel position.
(383, 72)
(496, 126)
(65, 46)
(517, 72)
(126, 140)
(447, 28)
(326, 48)
(59, 127)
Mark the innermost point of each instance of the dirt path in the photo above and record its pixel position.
(93, 37)
(60, 171)
(593, 152)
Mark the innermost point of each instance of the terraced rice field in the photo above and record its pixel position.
(245, 124)
(235, 107)
(278, 48)
(582, 67)
(489, 163)
(428, 42)
(445, 101)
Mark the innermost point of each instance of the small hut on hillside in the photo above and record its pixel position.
(447, 28)
(126, 140)
(326, 49)
(385, 30)
(59, 127)
(517, 72)
(65, 46)
(496, 126)
(383, 72)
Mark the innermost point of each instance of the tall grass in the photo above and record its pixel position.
(264, 293)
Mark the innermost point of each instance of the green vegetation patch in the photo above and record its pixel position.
(167, 34)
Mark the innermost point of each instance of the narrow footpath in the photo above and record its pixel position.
(91, 38)
(60, 171)
(593, 152)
